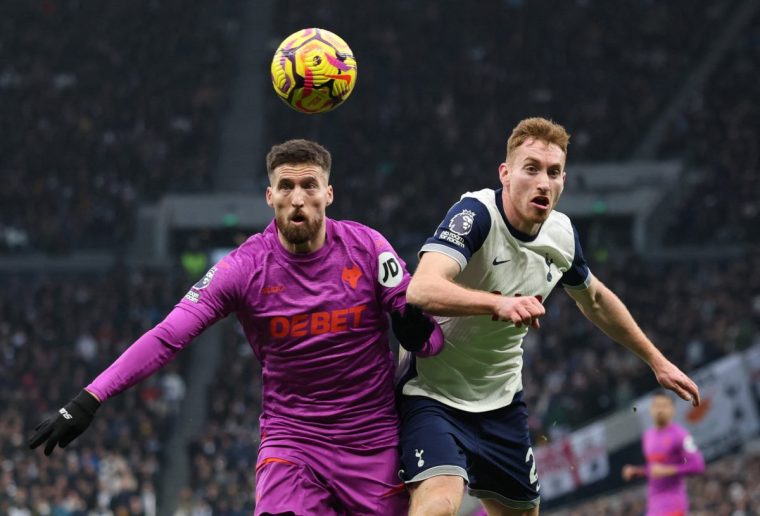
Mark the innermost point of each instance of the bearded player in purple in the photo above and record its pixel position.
(671, 454)
(311, 294)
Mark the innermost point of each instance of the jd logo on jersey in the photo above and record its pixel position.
(389, 273)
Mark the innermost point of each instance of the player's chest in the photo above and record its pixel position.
(334, 290)
(513, 270)
(660, 448)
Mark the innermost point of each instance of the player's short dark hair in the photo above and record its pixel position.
(298, 152)
(539, 129)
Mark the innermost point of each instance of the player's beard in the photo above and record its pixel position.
(301, 233)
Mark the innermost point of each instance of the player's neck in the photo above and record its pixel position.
(662, 426)
(515, 220)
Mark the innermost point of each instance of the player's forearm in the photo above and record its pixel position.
(147, 354)
(610, 315)
(693, 464)
(439, 296)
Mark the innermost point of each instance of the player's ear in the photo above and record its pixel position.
(329, 195)
(504, 173)
(269, 197)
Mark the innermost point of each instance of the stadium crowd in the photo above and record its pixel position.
(56, 334)
(719, 133)
(224, 456)
(441, 84)
(103, 105)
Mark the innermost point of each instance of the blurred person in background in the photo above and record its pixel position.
(671, 456)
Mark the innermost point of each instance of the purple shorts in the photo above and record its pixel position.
(319, 479)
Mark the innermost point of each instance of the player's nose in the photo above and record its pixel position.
(297, 199)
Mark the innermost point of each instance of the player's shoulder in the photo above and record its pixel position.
(559, 231)
(677, 429)
(485, 196)
(250, 252)
(356, 234)
(353, 230)
(560, 222)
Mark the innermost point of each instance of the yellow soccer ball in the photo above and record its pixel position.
(313, 71)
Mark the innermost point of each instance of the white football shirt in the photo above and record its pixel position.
(480, 367)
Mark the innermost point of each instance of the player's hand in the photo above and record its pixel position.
(631, 472)
(412, 328)
(672, 378)
(64, 427)
(520, 310)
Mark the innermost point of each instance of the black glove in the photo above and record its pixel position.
(71, 420)
(413, 328)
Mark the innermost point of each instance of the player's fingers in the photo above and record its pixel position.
(681, 391)
(525, 315)
(537, 306)
(66, 439)
(51, 442)
(534, 323)
(691, 388)
(43, 431)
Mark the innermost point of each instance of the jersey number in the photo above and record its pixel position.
(529, 457)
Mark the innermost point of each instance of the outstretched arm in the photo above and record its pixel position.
(146, 355)
(603, 308)
(434, 290)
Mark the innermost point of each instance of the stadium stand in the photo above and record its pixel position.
(103, 106)
(56, 334)
(428, 69)
(720, 136)
(224, 456)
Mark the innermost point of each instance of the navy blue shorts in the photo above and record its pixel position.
(490, 450)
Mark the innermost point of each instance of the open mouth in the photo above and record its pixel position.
(540, 202)
(298, 218)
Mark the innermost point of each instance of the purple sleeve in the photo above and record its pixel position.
(149, 353)
(392, 281)
(693, 462)
(213, 297)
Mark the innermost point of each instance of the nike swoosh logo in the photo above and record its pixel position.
(497, 262)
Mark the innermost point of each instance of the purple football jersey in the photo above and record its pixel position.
(316, 322)
(672, 446)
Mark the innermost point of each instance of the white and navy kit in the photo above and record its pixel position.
(472, 389)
